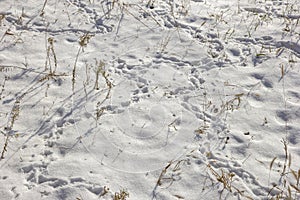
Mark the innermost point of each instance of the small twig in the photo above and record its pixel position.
(119, 23)
(43, 8)
(4, 147)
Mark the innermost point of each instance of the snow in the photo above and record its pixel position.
(182, 99)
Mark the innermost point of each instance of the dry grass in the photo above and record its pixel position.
(122, 195)
(289, 183)
(227, 179)
(13, 117)
(288, 186)
(83, 42)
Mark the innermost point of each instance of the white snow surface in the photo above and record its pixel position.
(149, 99)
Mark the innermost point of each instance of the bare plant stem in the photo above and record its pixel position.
(14, 115)
(4, 147)
(74, 68)
(84, 40)
(43, 8)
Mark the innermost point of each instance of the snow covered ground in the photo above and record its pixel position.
(149, 99)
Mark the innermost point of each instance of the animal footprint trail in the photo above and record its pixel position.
(165, 95)
(136, 132)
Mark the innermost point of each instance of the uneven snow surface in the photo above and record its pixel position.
(149, 99)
